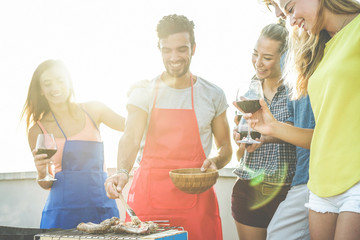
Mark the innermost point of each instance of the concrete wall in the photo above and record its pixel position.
(22, 200)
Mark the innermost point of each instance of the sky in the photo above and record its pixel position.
(108, 45)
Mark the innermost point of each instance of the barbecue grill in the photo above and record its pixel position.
(173, 233)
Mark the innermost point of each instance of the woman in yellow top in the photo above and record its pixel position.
(325, 48)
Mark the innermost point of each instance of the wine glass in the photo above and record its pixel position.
(248, 100)
(45, 143)
(238, 115)
(243, 130)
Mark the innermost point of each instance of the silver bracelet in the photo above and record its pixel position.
(123, 171)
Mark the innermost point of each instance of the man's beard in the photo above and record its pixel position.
(180, 73)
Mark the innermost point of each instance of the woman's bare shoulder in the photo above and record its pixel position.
(33, 132)
(93, 107)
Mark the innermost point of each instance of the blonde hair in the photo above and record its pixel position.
(277, 32)
(308, 50)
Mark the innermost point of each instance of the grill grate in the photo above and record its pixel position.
(73, 234)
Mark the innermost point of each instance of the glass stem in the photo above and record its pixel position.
(244, 160)
(249, 136)
(47, 169)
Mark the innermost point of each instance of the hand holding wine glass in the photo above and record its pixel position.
(245, 132)
(248, 100)
(262, 120)
(45, 143)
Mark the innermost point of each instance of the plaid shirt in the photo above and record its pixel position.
(272, 162)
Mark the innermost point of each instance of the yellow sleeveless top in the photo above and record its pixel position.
(334, 91)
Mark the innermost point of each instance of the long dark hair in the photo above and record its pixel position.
(36, 105)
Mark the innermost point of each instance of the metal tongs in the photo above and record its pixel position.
(134, 218)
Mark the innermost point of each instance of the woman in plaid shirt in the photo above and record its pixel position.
(265, 174)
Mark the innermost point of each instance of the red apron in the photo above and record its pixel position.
(173, 141)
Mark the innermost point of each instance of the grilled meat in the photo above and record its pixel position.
(114, 224)
(131, 227)
(102, 227)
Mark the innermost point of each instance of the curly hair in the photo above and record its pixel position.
(174, 23)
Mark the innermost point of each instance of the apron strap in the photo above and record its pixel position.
(92, 120)
(58, 125)
(192, 91)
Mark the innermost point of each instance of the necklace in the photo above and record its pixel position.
(268, 101)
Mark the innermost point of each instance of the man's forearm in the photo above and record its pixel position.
(223, 157)
(127, 152)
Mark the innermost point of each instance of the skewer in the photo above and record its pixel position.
(129, 210)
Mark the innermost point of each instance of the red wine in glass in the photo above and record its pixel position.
(249, 106)
(49, 152)
(238, 115)
(253, 134)
(248, 100)
(45, 143)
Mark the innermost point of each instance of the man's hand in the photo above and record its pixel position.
(208, 163)
(115, 184)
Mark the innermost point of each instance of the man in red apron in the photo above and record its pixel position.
(173, 121)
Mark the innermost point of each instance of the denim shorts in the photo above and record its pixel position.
(291, 219)
(348, 201)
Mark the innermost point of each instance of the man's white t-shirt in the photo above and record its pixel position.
(209, 102)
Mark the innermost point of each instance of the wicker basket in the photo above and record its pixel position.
(192, 180)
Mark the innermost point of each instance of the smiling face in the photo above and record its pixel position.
(266, 58)
(55, 85)
(301, 13)
(176, 53)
